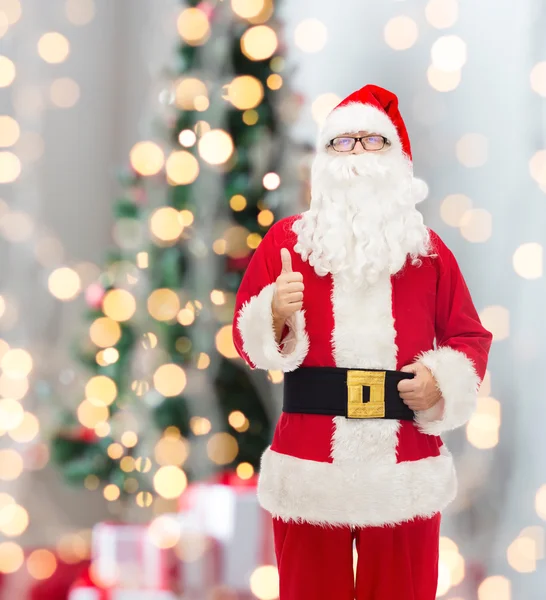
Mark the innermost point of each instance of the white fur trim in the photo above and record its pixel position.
(359, 494)
(363, 338)
(255, 324)
(419, 190)
(458, 381)
(356, 117)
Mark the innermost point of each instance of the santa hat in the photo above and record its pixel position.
(375, 110)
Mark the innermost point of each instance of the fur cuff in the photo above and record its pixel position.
(255, 325)
(458, 382)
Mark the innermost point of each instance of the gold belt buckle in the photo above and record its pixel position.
(356, 407)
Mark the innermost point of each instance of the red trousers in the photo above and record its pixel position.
(394, 562)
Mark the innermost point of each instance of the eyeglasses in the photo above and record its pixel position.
(370, 143)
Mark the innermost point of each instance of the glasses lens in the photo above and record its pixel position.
(343, 144)
(373, 142)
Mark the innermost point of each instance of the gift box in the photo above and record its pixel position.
(224, 535)
(125, 557)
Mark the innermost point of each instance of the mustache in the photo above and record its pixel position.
(352, 167)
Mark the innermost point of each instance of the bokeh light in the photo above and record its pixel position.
(64, 283)
(537, 167)
(245, 470)
(443, 81)
(188, 90)
(119, 305)
(171, 450)
(101, 390)
(496, 587)
(27, 430)
(111, 492)
(170, 481)
(259, 43)
(527, 260)
(522, 555)
(165, 224)
(11, 465)
(7, 71)
(323, 105)
(449, 53)
(129, 439)
(64, 92)
(104, 332)
(91, 414)
(11, 414)
(476, 225)
(538, 78)
(274, 82)
(53, 47)
(11, 10)
(472, 150)
(16, 363)
(216, 147)
(496, 319)
(453, 208)
(164, 532)
(311, 35)
(222, 448)
(264, 582)
(245, 92)
(147, 158)
(540, 502)
(224, 342)
(401, 32)
(193, 26)
(80, 12)
(182, 167)
(170, 380)
(11, 557)
(482, 431)
(203, 362)
(247, 8)
(442, 13)
(271, 181)
(9, 131)
(14, 520)
(10, 169)
(163, 304)
(41, 564)
(237, 202)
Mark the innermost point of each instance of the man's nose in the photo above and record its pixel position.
(358, 149)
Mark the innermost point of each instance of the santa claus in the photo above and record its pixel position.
(368, 315)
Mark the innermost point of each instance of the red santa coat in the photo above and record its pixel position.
(363, 472)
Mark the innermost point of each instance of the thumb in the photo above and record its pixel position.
(286, 261)
(410, 369)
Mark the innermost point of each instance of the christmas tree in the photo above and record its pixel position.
(164, 398)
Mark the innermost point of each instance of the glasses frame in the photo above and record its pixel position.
(386, 142)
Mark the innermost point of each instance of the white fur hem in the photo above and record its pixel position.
(458, 382)
(358, 494)
(255, 324)
(355, 117)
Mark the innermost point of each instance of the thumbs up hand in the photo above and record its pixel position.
(288, 297)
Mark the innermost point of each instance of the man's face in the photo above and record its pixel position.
(361, 142)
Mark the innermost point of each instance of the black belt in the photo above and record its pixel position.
(352, 393)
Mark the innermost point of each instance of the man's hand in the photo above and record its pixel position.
(288, 296)
(422, 391)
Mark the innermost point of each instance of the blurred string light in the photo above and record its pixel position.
(101, 390)
(442, 13)
(193, 26)
(538, 78)
(449, 53)
(245, 470)
(323, 105)
(147, 158)
(64, 284)
(16, 363)
(17, 226)
(14, 520)
(476, 225)
(163, 304)
(442, 81)
(80, 12)
(203, 362)
(472, 150)
(182, 168)
(9, 131)
(7, 72)
(187, 138)
(264, 582)
(30, 147)
(11, 557)
(53, 47)
(104, 332)
(171, 450)
(224, 342)
(165, 224)
(482, 431)
(259, 42)
(244, 92)
(164, 532)
(522, 554)
(537, 168)
(188, 91)
(170, 481)
(4, 24)
(222, 448)
(216, 146)
(247, 9)
(170, 380)
(401, 32)
(64, 92)
(497, 320)
(41, 564)
(11, 464)
(200, 425)
(11, 10)
(453, 208)
(311, 35)
(10, 167)
(528, 260)
(496, 587)
(271, 181)
(274, 82)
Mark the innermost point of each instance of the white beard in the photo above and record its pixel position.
(362, 220)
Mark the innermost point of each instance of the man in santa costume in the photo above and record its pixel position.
(367, 313)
